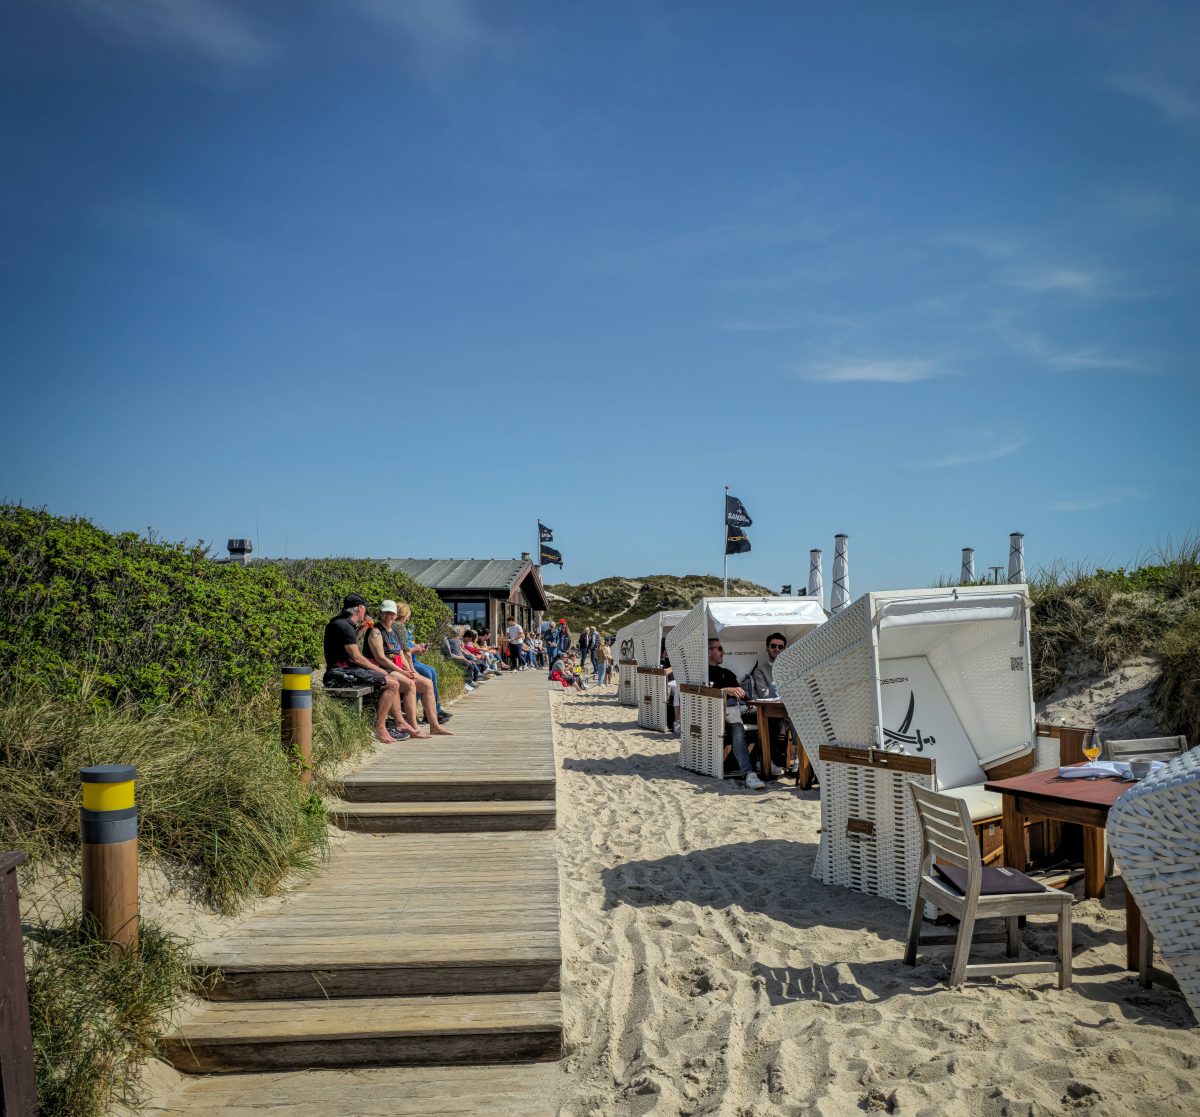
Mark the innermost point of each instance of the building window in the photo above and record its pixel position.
(471, 613)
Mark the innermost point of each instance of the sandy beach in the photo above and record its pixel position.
(707, 972)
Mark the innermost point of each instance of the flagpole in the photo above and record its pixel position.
(725, 539)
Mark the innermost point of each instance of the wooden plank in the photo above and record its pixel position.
(232, 1037)
(443, 817)
(526, 1091)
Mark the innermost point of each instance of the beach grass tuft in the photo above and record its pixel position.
(96, 1016)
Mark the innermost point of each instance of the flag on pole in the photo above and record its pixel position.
(736, 514)
(736, 542)
(546, 534)
(550, 557)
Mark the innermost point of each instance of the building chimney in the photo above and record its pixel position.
(816, 580)
(239, 549)
(525, 556)
(966, 576)
(839, 598)
(1016, 557)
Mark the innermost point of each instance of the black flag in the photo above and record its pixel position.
(786, 591)
(545, 533)
(735, 513)
(736, 542)
(550, 557)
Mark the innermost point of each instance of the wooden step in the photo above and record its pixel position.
(269, 981)
(513, 1089)
(445, 818)
(447, 787)
(236, 1037)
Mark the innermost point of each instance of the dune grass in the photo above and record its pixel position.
(1098, 619)
(96, 1017)
(218, 799)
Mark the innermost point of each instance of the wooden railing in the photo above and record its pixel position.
(18, 1092)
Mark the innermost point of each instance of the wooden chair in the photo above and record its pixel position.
(1147, 748)
(947, 834)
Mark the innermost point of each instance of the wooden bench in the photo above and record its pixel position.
(354, 694)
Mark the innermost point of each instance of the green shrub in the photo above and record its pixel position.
(217, 796)
(96, 1017)
(1176, 693)
(124, 618)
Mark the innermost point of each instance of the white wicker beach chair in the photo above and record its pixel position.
(625, 651)
(977, 893)
(1146, 748)
(1154, 835)
(648, 636)
(941, 676)
(742, 623)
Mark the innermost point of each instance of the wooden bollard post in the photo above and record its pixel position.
(18, 1086)
(109, 826)
(295, 699)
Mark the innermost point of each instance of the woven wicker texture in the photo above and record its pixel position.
(702, 734)
(652, 700)
(649, 633)
(687, 647)
(885, 863)
(627, 684)
(1154, 835)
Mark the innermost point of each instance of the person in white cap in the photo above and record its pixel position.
(384, 647)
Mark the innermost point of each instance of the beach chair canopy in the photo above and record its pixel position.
(938, 673)
(649, 634)
(624, 646)
(743, 624)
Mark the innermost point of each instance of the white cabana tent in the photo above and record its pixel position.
(648, 636)
(743, 624)
(625, 653)
(942, 676)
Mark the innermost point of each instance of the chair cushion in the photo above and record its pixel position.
(996, 882)
(980, 804)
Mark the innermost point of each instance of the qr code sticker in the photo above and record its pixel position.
(1016, 663)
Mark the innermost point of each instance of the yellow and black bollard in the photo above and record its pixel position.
(296, 718)
(109, 827)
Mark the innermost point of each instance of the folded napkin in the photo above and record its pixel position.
(1096, 768)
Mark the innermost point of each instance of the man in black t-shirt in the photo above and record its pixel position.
(342, 651)
(722, 677)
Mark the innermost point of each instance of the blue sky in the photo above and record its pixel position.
(389, 278)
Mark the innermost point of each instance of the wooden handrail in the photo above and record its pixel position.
(18, 1086)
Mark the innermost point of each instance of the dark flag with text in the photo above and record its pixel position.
(551, 557)
(546, 534)
(736, 542)
(736, 514)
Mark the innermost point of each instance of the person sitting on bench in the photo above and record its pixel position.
(726, 680)
(346, 665)
(384, 646)
(760, 683)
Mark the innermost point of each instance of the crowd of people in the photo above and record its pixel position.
(384, 654)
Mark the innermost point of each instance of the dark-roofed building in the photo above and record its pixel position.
(482, 593)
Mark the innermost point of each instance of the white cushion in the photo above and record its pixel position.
(980, 804)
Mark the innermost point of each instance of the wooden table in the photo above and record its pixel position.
(1047, 795)
(766, 708)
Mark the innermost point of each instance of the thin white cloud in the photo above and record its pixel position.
(974, 447)
(442, 34)
(1105, 499)
(1172, 100)
(1084, 360)
(878, 372)
(1071, 281)
(212, 29)
(786, 322)
(1034, 347)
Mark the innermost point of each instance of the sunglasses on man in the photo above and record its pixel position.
(776, 647)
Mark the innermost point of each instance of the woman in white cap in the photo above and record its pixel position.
(384, 646)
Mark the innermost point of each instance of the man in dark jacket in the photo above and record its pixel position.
(722, 677)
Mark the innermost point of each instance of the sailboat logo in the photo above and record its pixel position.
(902, 736)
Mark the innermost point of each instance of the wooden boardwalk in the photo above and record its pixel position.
(437, 944)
